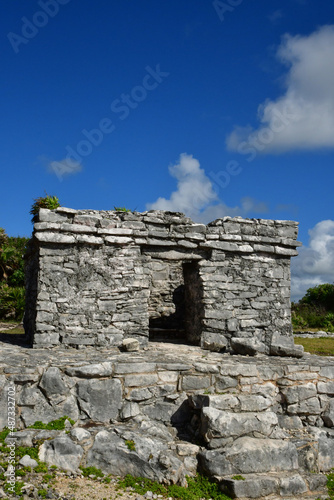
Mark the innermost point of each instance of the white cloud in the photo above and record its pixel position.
(196, 196)
(64, 167)
(315, 263)
(302, 118)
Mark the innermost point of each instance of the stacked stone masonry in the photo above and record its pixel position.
(98, 277)
(260, 426)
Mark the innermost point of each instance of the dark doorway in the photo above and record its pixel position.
(193, 303)
(184, 324)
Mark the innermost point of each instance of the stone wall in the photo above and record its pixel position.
(267, 419)
(97, 278)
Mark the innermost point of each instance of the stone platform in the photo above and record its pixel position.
(261, 426)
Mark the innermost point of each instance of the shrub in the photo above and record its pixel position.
(12, 302)
(48, 201)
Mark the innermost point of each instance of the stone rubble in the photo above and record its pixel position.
(171, 409)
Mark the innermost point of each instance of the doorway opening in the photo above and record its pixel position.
(175, 308)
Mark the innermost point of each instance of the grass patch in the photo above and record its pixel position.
(199, 487)
(91, 471)
(130, 444)
(14, 331)
(55, 425)
(321, 346)
(17, 488)
(330, 485)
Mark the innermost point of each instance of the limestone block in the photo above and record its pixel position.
(298, 393)
(45, 215)
(140, 395)
(326, 451)
(250, 346)
(243, 369)
(118, 240)
(50, 237)
(100, 399)
(79, 434)
(249, 455)
(23, 438)
(287, 422)
(254, 402)
(135, 367)
(76, 228)
(220, 402)
(328, 416)
(223, 383)
(129, 410)
(327, 372)
(40, 409)
(223, 424)
(294, 485)
(94, 370)
(140, 380)
(130, 345)
(309, 406)
(213, 341)
(90, 240)
(195, 382)
(27, 461)
(110, 454)
(284, 346)
(61, 452)
(52, 384)
(251, 486)
(326, 388)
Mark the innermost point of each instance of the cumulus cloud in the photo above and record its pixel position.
(315, 262)
(196, 195)
(64, 167)
(303, 117)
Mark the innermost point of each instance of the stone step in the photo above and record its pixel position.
(290, 486)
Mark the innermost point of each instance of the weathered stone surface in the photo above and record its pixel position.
(35, 407)
(52, 383)
(221, 424)
(284, 346)
(130, 345)
(100, 399)
(247, 346)
(27, 461)
(250, 455)
(213, 341)
(80, 434)
(149, 459)
(328, 416)
(61, 452)
(91, 371)
(294, 485)
(250, 487)
(111, 274)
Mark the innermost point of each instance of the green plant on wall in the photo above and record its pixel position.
(122, 209)
(48, 201)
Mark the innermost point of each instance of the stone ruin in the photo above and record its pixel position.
(97, 278)
(251, 412)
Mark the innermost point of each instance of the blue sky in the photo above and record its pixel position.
(213, 108)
